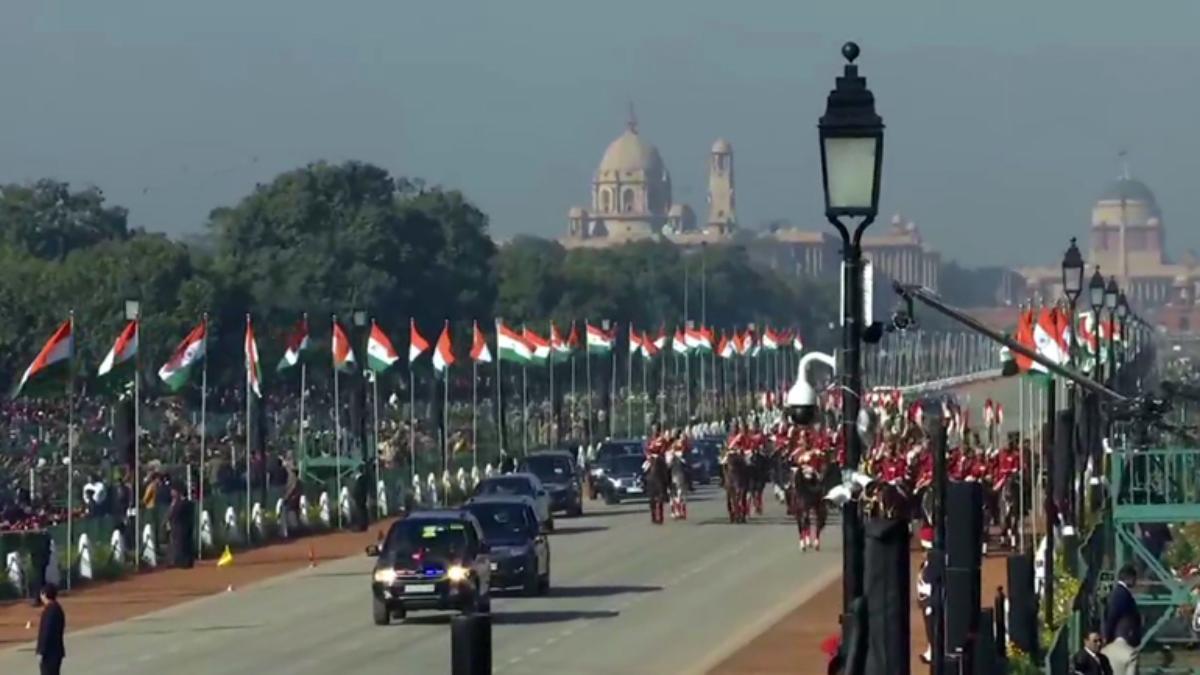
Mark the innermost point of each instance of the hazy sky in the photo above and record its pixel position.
(1004, 119)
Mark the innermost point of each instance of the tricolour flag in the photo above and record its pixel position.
(55, 354)
(649, 351)
(560, 347)
(511, 346)
(443, 356)
(381, 354)
(340, 349)
(539, 345)
(176, 371)
(679, 343)
(727, 349)
(660, 342)
(253, 369)
(598, 340)
(479, 347)
(123, 350)
(635, 341)
(297, 344)
(417, 344)
(797, 342)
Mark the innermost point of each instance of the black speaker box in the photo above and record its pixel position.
(962, 607)
(964, 524)
(1022, 603)
(985, 657)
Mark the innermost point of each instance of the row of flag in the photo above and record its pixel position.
(1048, 332)
(522, 347)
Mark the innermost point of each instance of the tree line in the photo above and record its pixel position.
(329, 238)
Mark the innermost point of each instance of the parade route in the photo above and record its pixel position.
(627, 597)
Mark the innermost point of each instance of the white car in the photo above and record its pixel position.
(523, 484)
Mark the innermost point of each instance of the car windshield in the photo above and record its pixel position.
(444, 539)
(506, 485)
(628, 464)
(500, 521)
(549, 469)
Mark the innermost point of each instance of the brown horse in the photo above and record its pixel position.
(806, 501)
(736, 474)
(657, 479)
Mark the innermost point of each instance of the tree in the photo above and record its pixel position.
(49, 221)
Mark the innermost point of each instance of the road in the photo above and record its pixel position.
(627, 597)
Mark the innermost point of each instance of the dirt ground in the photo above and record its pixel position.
(107, 602)
(793, 645)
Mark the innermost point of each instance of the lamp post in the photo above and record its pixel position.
(1096, 300)
(133, 312)
(1122, 319)
(851, 137)
(1072, 280)
(1111, 291)
(360, 323)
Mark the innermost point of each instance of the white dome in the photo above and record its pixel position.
(630, 155)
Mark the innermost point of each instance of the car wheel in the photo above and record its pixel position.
(577, 510)
(380, 612)
(544, 582)
(531, 584)
(399, 612)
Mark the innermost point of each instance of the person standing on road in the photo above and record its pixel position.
(1123, 624)
(50, 648)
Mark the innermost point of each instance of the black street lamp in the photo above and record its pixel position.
(851, 137)
(1122, 319)
(359, 316)
(1096, 300)
(1110, 303)
(1072, 273)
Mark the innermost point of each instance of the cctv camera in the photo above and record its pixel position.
(800, 405)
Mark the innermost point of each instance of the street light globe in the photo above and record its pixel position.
(851, 136)
(1096, 290)
(1122, 306)
(1110, 294)
(1072, 272)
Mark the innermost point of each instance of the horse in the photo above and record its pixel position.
(806, 502)
(736, 476)
(758, 470)
(656, 477)
(677, 469)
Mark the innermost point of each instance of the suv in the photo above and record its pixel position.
(556, 469)
(522, 484)
(520, 553)
(431, 560)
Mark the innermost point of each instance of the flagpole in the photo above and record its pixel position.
(553, 407)
(375, 413)
(524, 409)
(337, 427)
(574, 394)
(499, 395)
(645, 396)
(474, 413)
(612, 389)
(662, 388)
(303, 375)
(249, 365)
(137, 426)
(71, 449)
(628, 384)
(587, 349)
(445, 407)
(203, 433)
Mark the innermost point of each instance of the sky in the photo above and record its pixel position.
(1004, 120)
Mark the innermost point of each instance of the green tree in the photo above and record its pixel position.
(47, 220)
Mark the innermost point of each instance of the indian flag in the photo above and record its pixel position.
(660, 342)
(560, 347)
(55, 353)
(339, 346)
(539, 345)
(598, 340)
(123, 350)
(443, 356)
(697, 339)
(176, 371)
(479, 347)
(679, 343)
(797, 342)
(727, 349)
(635, 341)
(297, 344)
(649, 351)
(381, 354)
(770, 340)
(511, 346)
(1050, 334)
(253, 368)
(417, 344)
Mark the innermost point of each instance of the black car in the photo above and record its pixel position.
(556, 469)
(520, 553)
(620, 477)
(431, 560)
(704, 459)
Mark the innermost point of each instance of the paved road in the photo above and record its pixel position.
(627, 597)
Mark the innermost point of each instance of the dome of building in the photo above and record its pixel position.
(629, 155)
(722, 146)
(1128, 189)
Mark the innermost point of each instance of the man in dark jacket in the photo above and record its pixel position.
(50, 648)
(1089, 660)
(1123, 624)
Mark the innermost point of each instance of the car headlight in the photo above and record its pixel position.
(457, 573)
(385, 576)
(598, 473)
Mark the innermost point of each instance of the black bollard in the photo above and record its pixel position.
(1000, 607)
(886, 579)
(471, 644)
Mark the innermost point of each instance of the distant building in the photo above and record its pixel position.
(632, 201)
(1127, 239)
